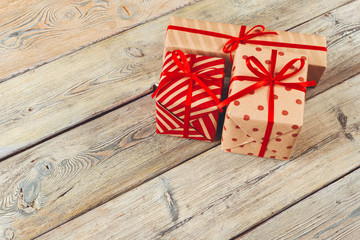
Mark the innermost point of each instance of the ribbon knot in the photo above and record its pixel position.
(271, 79)
(263, 77)
(198, 76)
(192, 75)
(234, 42)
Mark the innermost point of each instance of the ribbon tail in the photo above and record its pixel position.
(270, 123)
(298, 86)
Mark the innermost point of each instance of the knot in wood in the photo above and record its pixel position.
(134, 52)
(68, 15)
(9, 234)
(44, 168)
(238, 2)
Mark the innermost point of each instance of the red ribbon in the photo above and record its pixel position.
(245, 38)
(197, 76)
(264, 78)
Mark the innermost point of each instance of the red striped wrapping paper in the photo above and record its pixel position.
(170, 100)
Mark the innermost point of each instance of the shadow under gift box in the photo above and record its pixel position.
(184, 34)
(171, 98)
(247, 117)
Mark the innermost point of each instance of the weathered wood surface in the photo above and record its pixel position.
(341, 28)
(64, 93)
(39, 31)
(331, 213)
(217, 196)
(76, 171)
(81, 162)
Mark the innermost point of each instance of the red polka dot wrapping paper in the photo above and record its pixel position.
(213, 46)
(246, 118)
(170, 100)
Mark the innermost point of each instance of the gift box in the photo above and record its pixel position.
(189, 91)
(221, 40)
(265, 103)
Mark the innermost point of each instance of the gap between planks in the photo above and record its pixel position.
(298, 156)
(334, 209)
(316, 16)
(244, 233)
(209, 149)
(267, 178)
(342, 79)
(12, 148)
(27, 35)
(238, 236)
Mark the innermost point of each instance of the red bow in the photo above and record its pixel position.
(265, 78)
(234, 42)
(196, 76)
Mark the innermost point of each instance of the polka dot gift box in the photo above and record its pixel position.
(188, 95)
(221, 40)
(266, 102)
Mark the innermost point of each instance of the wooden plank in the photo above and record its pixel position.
(338, 26)
(55, 181)
(78, 170)
(64, 93)
(38, 32)
(218, 195)
(331, 213)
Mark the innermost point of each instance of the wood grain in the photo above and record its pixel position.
(64, 177)
(218, 195)
(331, 213)
(57, 96)
(55, 181)
(38, 32)
(341, 28)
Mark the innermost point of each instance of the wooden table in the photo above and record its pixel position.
(80, 158)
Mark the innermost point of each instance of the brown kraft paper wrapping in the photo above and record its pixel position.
(212, 46)
(246, 118)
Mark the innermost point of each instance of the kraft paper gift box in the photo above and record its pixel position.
(209, 39)
(251, 125)
(189, 91)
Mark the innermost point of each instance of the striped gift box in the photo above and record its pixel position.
(170, 99)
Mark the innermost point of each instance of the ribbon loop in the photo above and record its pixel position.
(281, 75)
(265, 73)
(234, 42)
(184, 65)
